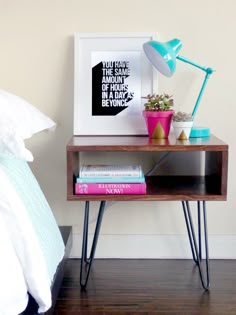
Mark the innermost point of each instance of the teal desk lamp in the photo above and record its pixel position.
(163, 57)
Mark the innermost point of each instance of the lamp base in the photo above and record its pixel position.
(200, 132)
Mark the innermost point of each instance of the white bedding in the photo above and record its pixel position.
(30, 239)
(12, 285)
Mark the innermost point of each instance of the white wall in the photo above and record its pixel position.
(36, 63)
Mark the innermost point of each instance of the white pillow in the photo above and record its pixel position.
(19, 120)
(12, 144)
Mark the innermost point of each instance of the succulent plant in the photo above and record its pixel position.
(182, 116)
(158, 102)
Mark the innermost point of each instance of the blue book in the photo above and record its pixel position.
(108, 179)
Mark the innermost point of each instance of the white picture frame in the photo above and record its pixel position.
(114, 63)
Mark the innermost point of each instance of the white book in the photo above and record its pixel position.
(110, 170)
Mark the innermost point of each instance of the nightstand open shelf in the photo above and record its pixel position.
(210, 186)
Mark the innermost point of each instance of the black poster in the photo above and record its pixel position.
(116, 83)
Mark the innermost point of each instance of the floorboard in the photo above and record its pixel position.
(143, 287)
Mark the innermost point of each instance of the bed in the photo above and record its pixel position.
(32, 306)
(34, 249)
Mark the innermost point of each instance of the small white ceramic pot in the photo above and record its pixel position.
(182, 129)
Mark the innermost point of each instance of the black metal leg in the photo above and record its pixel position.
(185, 206)
(199, 229)
(196, 247)
(85, 234)
(86, 262)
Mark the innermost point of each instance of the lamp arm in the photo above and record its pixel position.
(208, 71)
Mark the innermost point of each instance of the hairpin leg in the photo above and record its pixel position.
(86, 262)
(196, 247)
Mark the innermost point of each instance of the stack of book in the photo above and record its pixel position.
(110, 179)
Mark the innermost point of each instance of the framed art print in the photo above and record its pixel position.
(111, 76)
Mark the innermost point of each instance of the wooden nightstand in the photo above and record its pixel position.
(211, 185)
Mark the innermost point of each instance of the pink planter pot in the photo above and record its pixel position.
(158, 123)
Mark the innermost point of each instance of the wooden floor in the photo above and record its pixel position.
(148, 287)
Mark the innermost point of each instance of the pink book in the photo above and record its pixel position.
(110, 188)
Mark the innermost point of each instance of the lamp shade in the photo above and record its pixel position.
(163, 55)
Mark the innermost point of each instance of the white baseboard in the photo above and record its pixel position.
(155, 246)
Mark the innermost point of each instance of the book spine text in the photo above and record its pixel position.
(109, 170)
(110, 189)
(110, 179)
